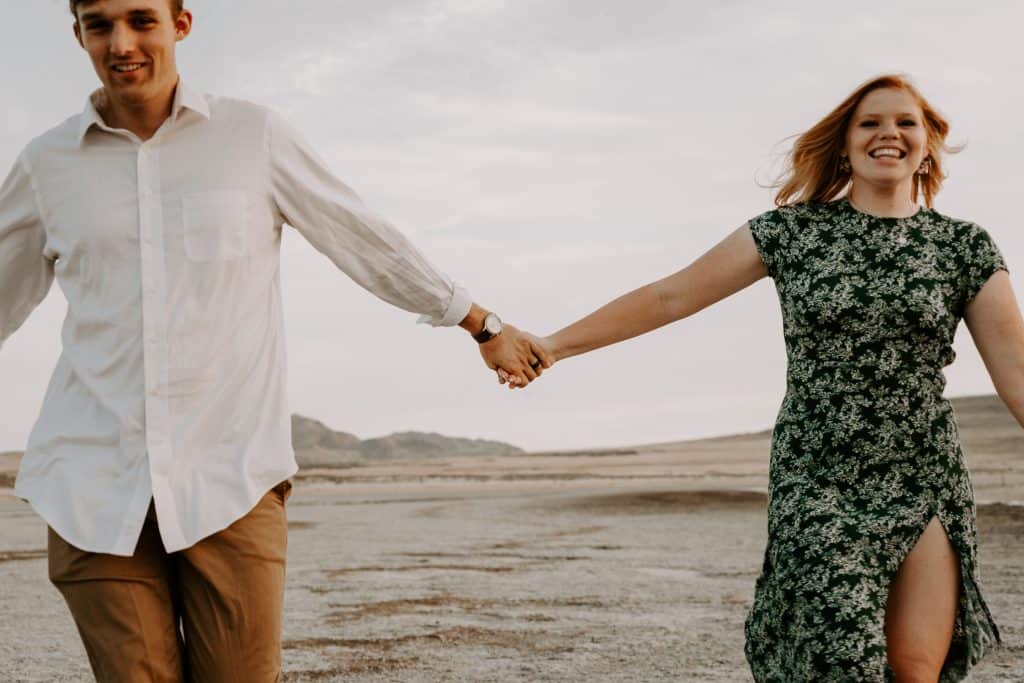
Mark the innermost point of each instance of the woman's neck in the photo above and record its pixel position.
(888, 202)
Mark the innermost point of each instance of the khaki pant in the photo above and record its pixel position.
(210, 613)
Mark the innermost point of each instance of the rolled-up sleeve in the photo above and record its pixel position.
(26, 273)
(363, 245)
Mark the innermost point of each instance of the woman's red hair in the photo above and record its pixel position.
(813, 172)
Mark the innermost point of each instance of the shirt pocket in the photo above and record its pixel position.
(214, 224)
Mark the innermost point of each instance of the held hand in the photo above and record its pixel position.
(542, 357)
(515, 355)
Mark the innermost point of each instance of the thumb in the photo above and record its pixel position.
(538, 349)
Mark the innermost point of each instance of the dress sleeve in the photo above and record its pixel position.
(769, 232)
(25, 271)
(981, 258)
(367, 248)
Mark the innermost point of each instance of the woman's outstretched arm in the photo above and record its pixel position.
(725, 269)
(994, 320)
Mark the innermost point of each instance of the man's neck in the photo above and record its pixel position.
(141, 117)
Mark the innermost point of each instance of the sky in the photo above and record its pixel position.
(549, 155)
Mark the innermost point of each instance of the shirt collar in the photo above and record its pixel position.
(184, 98)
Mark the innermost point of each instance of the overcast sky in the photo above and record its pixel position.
(549, 155)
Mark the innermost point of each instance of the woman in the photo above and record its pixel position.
(870, 570)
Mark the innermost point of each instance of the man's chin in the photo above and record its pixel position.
(130, 94)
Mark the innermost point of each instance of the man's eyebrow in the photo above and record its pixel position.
(135, 13)
(89, 16)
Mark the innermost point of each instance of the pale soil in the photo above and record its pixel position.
(633, 565)
(620, 565)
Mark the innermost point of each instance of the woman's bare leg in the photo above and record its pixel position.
(921, 608)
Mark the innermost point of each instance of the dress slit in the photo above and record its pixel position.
(964, 647)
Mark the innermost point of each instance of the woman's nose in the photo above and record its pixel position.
(888, 130)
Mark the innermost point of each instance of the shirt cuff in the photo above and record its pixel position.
(458, 309)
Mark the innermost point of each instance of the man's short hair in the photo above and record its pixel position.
(176, 6)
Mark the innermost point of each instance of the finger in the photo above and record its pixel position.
(542, 354)
(530, 373)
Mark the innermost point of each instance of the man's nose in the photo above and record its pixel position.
(122, 40)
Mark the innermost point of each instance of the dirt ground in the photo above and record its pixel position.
(536, 571)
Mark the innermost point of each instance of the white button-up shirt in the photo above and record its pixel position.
(171, 380)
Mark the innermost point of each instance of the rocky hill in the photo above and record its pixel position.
(317, 445)
(986, 427)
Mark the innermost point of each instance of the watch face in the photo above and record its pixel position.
(492, 323)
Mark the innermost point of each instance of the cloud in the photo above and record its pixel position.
(549, 155)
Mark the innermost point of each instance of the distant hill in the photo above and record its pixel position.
(986, 427)
(317, 445)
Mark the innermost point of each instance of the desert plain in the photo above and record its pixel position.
(629, 564)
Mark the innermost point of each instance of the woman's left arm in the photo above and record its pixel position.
(994, 320)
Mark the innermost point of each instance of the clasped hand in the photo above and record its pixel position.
(518, 357)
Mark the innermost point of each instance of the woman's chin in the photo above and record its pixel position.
(886, 180)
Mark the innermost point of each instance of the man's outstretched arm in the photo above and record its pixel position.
(26, 272)
(309, 197)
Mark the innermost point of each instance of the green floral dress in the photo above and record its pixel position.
(865, 451)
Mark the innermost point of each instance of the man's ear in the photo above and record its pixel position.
(183, 25)
(78, 34)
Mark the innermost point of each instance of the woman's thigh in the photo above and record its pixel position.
(921, 609)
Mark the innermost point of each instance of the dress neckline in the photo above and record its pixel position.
(846, 204)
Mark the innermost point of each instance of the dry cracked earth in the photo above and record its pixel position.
(503, 581)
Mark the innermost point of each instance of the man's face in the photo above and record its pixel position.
(131, 44)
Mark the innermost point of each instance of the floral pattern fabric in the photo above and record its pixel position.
(865, 450)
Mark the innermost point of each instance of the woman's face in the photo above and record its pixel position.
(886, 140)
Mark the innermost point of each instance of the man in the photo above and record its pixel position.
(162, 456)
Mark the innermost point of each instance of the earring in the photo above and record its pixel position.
(926, 167)
(844, 164)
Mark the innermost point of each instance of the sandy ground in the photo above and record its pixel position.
(630, 565)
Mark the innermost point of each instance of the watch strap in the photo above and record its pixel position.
(486, 335)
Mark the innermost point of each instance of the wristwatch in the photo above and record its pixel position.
(492, 328)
